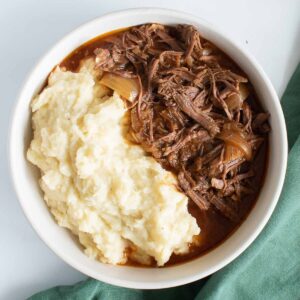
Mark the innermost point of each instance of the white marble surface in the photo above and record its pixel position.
(269, 29)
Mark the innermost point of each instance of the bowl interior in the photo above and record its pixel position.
(60, 240)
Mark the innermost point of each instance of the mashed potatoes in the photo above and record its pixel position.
(118, 201)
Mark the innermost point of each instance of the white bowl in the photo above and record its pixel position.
(60, 240)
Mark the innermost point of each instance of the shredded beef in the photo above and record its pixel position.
(189, 92)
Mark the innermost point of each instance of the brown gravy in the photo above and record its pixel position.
(215, 228)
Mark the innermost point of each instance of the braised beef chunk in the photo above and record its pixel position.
(194, 114)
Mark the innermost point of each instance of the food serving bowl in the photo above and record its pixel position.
(25, 176)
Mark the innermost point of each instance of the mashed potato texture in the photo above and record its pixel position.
(116, 199)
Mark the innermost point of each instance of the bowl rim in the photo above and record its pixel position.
(244, 245)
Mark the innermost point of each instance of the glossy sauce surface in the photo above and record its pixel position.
(215, 228)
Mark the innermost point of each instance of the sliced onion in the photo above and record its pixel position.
(236, 140)
(232, 153)
(233, 126)
(244, 91)
(234, 136)
(125, 87)
(234, 101)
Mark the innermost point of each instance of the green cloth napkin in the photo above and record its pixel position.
(269, 269)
